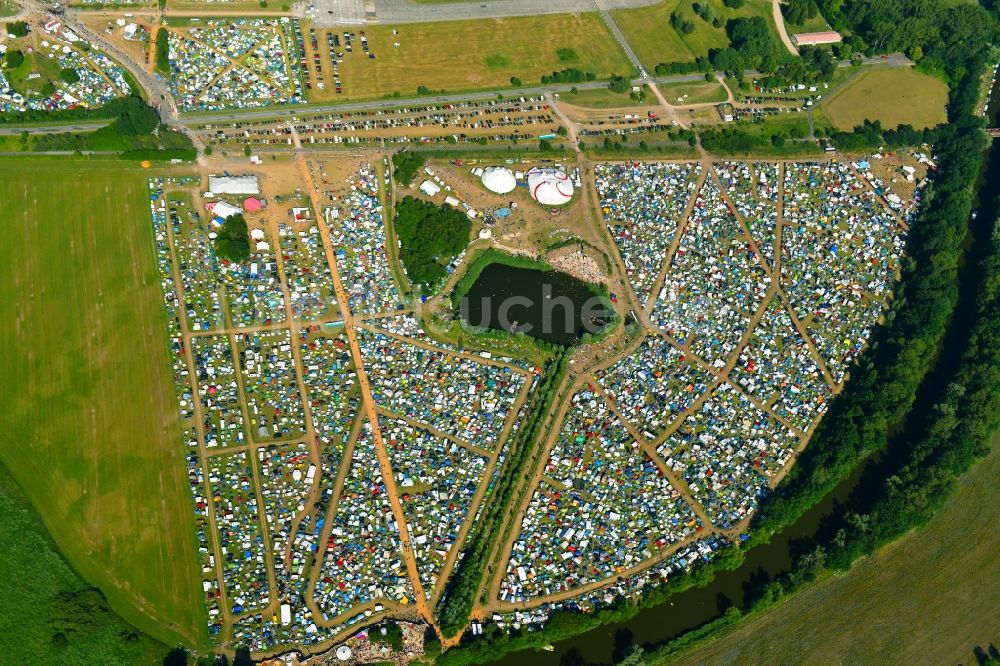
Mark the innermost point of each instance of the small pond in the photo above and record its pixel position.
(545, 304)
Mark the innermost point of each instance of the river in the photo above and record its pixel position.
(696, 607)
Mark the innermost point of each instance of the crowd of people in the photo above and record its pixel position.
(437, 478)
(271, 385)
(842, 252)
(654, 385)
(642, 203)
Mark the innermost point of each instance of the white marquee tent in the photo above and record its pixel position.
(550, 187)
(499, 180)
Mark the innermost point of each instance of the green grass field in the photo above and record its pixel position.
(479, 54)
(8, 9)
(654, 41)
(89, 419)
(929, 598)
(893, 96)
(695, 92)
(48, 614)
(603, 99)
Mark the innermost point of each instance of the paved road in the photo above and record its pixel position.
(339, 12)
(9, 130)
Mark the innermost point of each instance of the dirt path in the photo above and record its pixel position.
(366, 396)
(779, 23)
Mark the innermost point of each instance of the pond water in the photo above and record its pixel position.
(549, 305)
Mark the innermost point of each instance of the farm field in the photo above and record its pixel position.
(654, 41)
(500, 49)
(892, 96)
(927, 598)
(91, 436)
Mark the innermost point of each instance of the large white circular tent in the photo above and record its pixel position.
(550, 187)
(499, 180)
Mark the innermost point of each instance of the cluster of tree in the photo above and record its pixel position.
(619, 84)
(699, 64)
(797, 12)
(705, 12)
(429, 236)
(53, 615)
(233, 240)
(389, 634)
(814, 65)
(871, 136)
(751, 46)
(18, 28)
(568, 75)
(460, 591)
(405, 165)
(13, 59)
(163, 51)
(69, 75)
(938, 35)
(681, 24)
(110, 110)
(135, 130)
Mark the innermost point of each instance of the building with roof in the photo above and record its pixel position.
(816, 38)
(550, 187)
(233, 184)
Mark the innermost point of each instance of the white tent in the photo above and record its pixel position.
(233, 184)
(222, 209)
(499, 180)
(550, 187)
(429, 188)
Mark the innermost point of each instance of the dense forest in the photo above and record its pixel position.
(430, 236)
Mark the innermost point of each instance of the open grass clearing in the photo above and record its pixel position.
(8, 9)
(472, 55)
(229, 6)
(928, 598)
(90, 421)
(893, 96)
(815, 24)
(651, 36)
(693, 92)
(602, 98)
